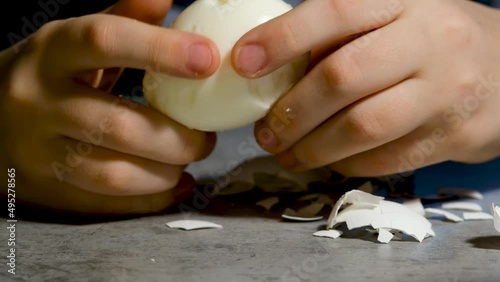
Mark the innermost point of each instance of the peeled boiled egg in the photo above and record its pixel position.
(225, 100)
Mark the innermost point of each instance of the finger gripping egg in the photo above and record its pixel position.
(225, 100)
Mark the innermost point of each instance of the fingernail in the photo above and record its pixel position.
(198, 58)
(251, 59)
(287, 160)
(266, 137)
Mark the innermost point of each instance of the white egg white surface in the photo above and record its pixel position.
(225, 100)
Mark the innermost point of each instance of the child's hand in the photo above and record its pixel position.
(77, 148)
(394, 85)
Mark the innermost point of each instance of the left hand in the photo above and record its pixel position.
(393, 85)
(75, 147)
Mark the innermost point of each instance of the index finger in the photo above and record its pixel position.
(312, 24)
(104, 41)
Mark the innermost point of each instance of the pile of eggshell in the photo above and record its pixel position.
(389, 219)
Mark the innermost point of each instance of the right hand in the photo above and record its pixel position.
(77, 148)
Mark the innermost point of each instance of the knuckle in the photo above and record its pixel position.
(466, 81)
(156, 52)
(458, 30)
(342, 9)
(44, 33)
(40, 42)
(342, 74)
(19, 94)
(14, 83)
(333, 75)
(293, 39)
(364, 126)
(100, 35)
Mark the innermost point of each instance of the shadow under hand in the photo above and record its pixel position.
(29, 213)
(487, 242)
(239, 200)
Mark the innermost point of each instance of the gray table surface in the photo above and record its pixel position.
(252, 246)
(255, 246)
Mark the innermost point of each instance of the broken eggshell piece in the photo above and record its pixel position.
(415, 205)
(359, 209)
(496, 216)
(307, 213)
(300, 219)
(467, 206)
(266, 174)
(193, 225)
(384, 235)
(332, 233)
(477, 216)
(353, 197)
(430, 212)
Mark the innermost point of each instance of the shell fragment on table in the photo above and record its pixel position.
(189, 225)
(359, 209)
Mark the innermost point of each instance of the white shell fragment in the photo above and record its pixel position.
(398, 217)
(496, 216)
(332, 233)
(193, 225)
(225, 100)
(384, 236)
(415, 205)
(396, 236)
(359, 209)
(466, 206)
(307, 213)
(465, 192)
(353, 197)
(477, 216)
(301, 219)
(430, 212)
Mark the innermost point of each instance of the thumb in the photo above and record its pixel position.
(149, 11)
